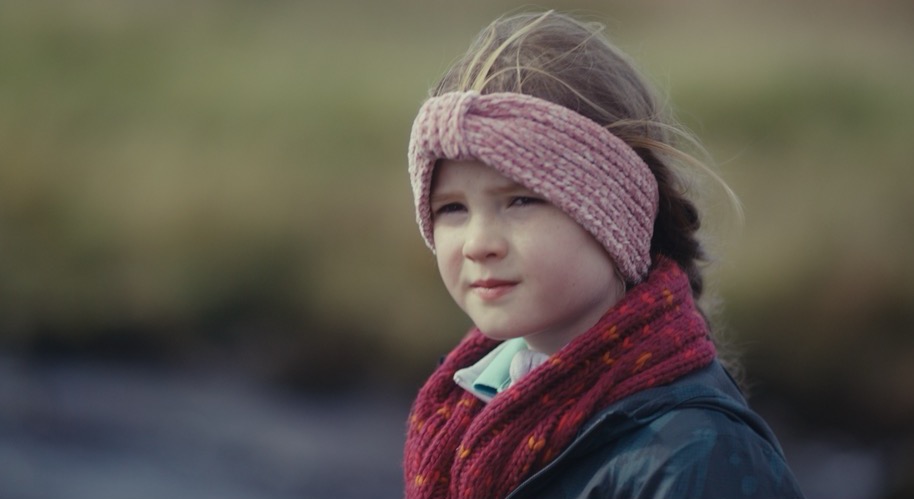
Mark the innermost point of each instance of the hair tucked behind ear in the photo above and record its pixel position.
(560, 59)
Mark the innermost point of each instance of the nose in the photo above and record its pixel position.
(485, 239)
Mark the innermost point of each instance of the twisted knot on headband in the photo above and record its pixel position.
(448, 118)
(572, 161)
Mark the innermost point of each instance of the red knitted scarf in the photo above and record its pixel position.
(459, 447)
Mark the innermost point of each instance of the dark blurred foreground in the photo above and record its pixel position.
(76, 429)
(79, 430)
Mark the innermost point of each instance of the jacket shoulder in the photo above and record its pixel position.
(695, 438)
(693, 452)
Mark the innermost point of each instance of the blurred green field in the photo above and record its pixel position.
(227, 180)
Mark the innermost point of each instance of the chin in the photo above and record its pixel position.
(499, 334)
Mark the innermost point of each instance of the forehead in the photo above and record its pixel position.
(452, 173)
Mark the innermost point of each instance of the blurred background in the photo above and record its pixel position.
(211, 283)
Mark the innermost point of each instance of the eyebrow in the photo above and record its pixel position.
(440, 197)
(506, 188)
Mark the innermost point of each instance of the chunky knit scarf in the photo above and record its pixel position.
(459, 447)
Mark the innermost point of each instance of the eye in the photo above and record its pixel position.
(525, 200)
(448, 208)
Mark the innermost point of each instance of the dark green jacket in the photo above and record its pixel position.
(694, 438)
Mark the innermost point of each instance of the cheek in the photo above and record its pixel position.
(562, 272)
(571, 259)
(552, 245)
(447, 254)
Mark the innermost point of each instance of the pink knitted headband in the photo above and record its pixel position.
(572, 161)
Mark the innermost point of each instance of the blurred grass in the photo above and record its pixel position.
(180, 178)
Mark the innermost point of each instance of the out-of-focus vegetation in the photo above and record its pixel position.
(185, 181)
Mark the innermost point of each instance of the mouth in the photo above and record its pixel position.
(491, 289)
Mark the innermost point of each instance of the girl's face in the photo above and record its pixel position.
(516, 264)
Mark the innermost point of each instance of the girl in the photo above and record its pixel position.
(544, 176)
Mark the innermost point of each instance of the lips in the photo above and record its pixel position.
(492, 289)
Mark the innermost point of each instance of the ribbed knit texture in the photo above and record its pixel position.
(575, 163)
(461, 448)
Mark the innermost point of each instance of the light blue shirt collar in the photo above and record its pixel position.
(499, 369)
